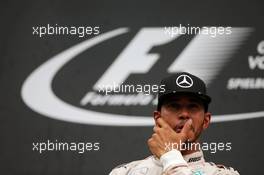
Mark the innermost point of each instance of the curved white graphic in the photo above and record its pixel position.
(38, 95)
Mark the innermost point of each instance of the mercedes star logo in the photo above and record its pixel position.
(184, 81)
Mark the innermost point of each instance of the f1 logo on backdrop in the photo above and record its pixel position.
(204, 56)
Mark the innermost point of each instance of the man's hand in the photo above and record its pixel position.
(164, 135)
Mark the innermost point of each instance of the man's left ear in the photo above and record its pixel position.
(207, 119)
(156, 115)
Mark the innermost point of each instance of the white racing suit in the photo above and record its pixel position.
(173, 163)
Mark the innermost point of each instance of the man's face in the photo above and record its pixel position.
(177, 110)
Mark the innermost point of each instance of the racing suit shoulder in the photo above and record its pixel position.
(214, 169)
(124, 168)
(145, 166)
(227, 170)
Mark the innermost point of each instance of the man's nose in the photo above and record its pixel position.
(184, 114)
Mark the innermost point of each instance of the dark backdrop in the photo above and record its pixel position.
(22, 52)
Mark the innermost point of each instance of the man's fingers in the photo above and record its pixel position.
(155, 129)
(187, 127)
(161, 123)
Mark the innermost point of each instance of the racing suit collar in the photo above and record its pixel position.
(195, 157)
